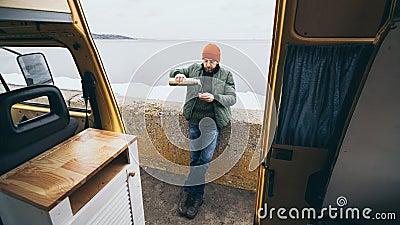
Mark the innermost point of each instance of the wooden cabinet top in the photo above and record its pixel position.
(51, 176)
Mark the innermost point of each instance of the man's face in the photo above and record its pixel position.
(209, 64)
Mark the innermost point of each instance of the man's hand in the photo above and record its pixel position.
(180, 78)
(206, 97)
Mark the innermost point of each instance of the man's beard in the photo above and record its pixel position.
(208, 70)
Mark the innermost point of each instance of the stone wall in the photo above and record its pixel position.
(164, 145)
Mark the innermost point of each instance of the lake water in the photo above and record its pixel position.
(123, 57)
(139, 68)
(134, 65)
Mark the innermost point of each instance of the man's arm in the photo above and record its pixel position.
(181, 71)
(180, 74)
(229, 96)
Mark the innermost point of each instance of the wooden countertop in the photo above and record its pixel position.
(47, 179)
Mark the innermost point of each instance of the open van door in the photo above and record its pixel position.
(334, 74)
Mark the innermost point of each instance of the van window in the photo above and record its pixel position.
(61, 65)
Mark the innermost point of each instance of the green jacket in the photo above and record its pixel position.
(223, 89)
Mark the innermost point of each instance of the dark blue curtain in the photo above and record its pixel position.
(316, 80)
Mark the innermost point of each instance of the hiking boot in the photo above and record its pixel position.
(182, 203)
(194, 209)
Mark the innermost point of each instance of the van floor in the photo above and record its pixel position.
(222, 204)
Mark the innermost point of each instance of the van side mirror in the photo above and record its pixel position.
(35, 69)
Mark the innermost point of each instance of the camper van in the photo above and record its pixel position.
(328, 156)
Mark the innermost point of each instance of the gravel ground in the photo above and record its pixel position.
(222, 205)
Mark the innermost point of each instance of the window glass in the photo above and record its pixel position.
(62, 68)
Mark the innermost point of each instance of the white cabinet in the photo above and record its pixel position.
(93, 178)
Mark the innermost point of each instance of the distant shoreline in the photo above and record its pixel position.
(112, 37)
(123, 37)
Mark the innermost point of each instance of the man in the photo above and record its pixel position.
(207, 108)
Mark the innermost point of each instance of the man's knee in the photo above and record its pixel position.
(206, 158)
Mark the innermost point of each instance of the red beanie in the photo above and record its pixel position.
(211, 51)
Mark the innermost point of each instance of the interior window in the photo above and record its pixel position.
(24, 66)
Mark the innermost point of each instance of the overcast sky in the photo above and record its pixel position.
(182, 19)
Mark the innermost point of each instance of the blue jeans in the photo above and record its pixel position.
(203, 140)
